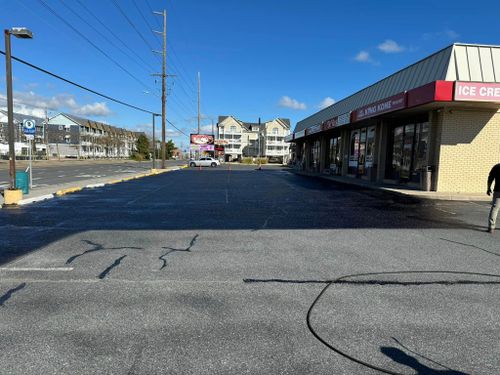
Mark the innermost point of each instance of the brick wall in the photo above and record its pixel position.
(470, 146)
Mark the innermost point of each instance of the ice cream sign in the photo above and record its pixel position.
(476, 91)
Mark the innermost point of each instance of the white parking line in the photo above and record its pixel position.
(37, 269)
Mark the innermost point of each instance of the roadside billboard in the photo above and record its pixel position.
(202, 139)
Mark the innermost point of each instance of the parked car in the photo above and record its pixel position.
(204, 162)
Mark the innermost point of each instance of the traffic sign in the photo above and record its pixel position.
(29, 127)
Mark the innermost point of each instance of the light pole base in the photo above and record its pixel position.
(12, 197)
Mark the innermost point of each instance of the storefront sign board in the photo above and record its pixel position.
(344, 119)
(313, 129)
(202, 139)
(437, 91)
(299, 134)
(329, 124)
(206, 147)
(477, 91)
(391, 104)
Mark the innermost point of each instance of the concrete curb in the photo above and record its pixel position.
(75, 189)
(35, 199)
(401, 192)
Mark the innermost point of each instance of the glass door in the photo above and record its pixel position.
(397, 150)
(407, 152)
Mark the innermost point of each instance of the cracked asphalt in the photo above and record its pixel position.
(214, 271)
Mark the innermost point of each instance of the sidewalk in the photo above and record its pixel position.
(48, 192)
(397, 189)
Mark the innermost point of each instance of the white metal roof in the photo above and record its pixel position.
(458, 62)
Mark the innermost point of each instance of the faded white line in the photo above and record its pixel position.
(227, 197)
(37, 269)
(448, 212)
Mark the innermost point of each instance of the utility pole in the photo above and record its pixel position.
(163, 85)
(154, 142)
(46, 134)
(198, 102)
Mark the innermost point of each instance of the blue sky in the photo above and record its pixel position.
(257, 58)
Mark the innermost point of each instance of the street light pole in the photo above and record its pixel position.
(10, 112)
(18, 32)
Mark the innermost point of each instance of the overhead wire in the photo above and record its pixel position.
(174, 54)
(150, 27)
(79, 85)
(177, 70)
(132, 25)
(110, 41)
(108, 29)
(92, 43)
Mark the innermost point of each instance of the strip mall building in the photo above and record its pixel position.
(433, 125)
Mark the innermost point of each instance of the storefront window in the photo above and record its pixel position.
(409, 135)
(314, 159)
(397, 149)
(409, 151)
(354, 152)
(370, 147)
(362, 151)
(421, 144)
(334, 160)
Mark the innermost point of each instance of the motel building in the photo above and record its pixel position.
(434, 125)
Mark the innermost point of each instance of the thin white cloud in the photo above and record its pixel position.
(326, 102)
(447, 34)
(95, 109)
(288, 102)
(390, 46)
(204, 129)
(148, 130)
(363, 56)
(60, 102)
(22, 109)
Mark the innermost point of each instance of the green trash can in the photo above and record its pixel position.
(23, 181)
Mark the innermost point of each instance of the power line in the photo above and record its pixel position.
(79, 86)
(177, 128)
(91, 43)
(152, 11)
(114, 35)
(109, 40)
(132, 24)
(145, 20)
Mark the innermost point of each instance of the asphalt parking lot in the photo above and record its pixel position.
(232, 270)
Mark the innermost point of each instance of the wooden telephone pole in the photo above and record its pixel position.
(163, 85)
(199, 103)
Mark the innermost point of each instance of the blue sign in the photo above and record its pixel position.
(29, 127)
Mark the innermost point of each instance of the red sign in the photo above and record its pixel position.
(393, 103)
(437, 91)
(478, 92)
(202, 139)
(329, 124)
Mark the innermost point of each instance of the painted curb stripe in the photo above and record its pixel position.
(92, 186)
(35, 199)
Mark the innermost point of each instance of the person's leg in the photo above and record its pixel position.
(495, 207)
